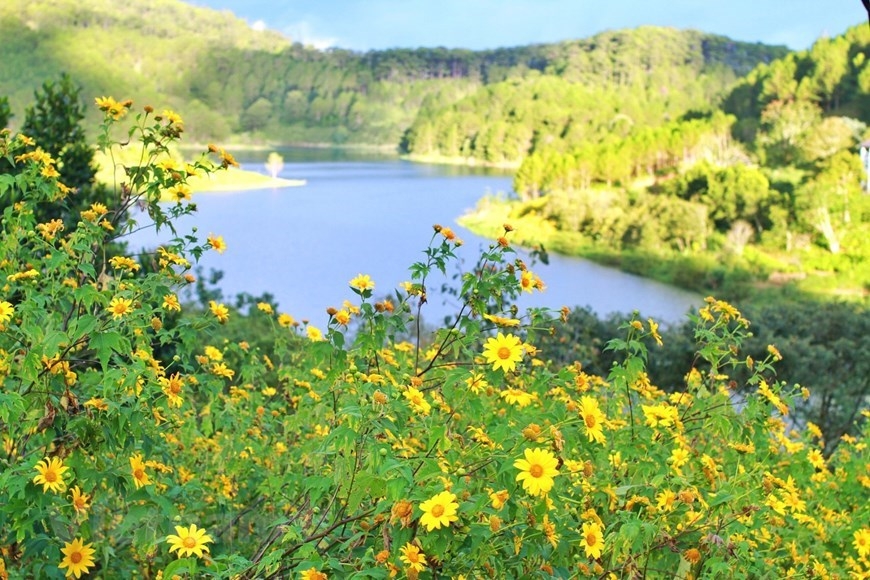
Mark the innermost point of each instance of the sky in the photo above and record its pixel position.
(479, 24)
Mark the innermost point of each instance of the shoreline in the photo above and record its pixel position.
(233, 180)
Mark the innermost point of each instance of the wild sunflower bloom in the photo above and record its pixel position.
(180, 192)
(77, 558)
(439, 511)
(313, 574)
(592, 539)
(314, 334)
(80, 501)
(120, 307)
(189, 541)
(286, 320)
(498, 498)
(528, 281)
(6, 312)
(517, 397)
(413, 557)
(362, 283)
(417, 400)
(50, 475)
(220, 311)
(172, 389)
(124, 263)
(816, 459)
(342, 317)
(862, 542)
(537, 471)
(170, 302)
(217, 243)
(593, 419)
(137, 466)
(503, 352)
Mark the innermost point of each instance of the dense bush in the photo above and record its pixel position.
(460, 453)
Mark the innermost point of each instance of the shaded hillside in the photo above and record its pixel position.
(230, 81)
(583, 90)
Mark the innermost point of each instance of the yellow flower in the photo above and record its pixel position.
(498, 498)
(264, 307)
(180, 192)
(120, 307)
(124, 263)
(816, 458)
(6, 312)
(50, 474)
(137, 466)
(502, 321)
(220, 311)
(413, 557)
(172, 389)
(286, 320)
(170, 302)
(503, 352)
(862, 542)
(77, 558)
(593, 419)
(80, 501)
(314, 334)
(97, 403)
(593, 539)
(217, 243)
(529, 282)
(417, 401)
(439, 511)
(50, 229)
(363, 283)
(172, 117)
(517, 397)
(537, 471)
(189, 541)
(342, 317)
(654, 331)
(112, 108)
(313, 574)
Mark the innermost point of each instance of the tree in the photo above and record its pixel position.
(5, 112)
(53, 123)
(274, 164)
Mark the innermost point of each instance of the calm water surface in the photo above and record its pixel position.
(375, 216)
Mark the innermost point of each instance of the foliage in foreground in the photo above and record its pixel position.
(463, 453)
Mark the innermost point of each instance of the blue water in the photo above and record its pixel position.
(375, 216)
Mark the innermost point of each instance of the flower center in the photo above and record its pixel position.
(536, 470)
(50, 476)
(189, 542)
(590, 421)
(591, 539)
(504, 353)
(75, 557)
(438, 510)
(139, 473)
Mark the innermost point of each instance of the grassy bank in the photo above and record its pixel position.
(757, 275)
(239, 180)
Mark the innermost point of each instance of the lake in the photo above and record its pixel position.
(374, 215)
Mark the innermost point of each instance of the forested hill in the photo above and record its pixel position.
(233, 82)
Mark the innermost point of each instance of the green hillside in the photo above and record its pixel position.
(762, 190)
(232, 82)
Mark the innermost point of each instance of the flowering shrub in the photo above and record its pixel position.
(134, 446)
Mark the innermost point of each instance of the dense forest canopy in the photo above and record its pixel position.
(229, 80)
